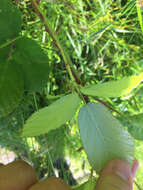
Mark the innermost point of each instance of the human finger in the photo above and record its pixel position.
(116, 176)
(17, 175)
(134, 168)
(51, 183)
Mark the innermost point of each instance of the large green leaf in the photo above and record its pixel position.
(33, 62)
(4, 53)
(11, 87)
(103, 136)
(10, 21)
(114, 88)
(135, 126)
(52, 117)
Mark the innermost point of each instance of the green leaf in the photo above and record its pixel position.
(33, 62)
(88, 185)
(10, 21)
(4, 53)
(11, 87)
(114, 88)
(136, 126)
(52, 117)
(103, 136)
(140, 12)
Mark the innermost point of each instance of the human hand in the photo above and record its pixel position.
(18, 175)
(117, 175)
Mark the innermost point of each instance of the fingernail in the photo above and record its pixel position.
(134, 168)
(123, 175)
(118, 167)
(122, 169)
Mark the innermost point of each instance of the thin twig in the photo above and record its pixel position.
(86, 99)
(74, 76)
(10, 51)
(38, 2)
(108, 106)
(53, 35)
(77, 79)
(80, 149)
(16, 2)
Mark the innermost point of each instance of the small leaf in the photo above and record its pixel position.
(52, 117)
(136, 126)
(33, 62)
(114, 88)
(10, 21)
(11, 87)
(103, 136)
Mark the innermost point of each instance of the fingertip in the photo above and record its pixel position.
(17, 175)
(118, 167)
(134, 168)
(52, 183)
(117, 173)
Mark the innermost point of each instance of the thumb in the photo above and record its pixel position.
(117, 175)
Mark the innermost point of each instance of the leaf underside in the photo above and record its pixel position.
(103, 136)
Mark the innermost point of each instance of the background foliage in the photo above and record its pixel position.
(104, 41)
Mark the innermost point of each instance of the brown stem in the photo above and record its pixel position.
(86, 99)
(10, 51)
(43, 20)
(107, 105)
(80, 149)
(78, 81)
(66, 58)
(38, 2)
(16, 2)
